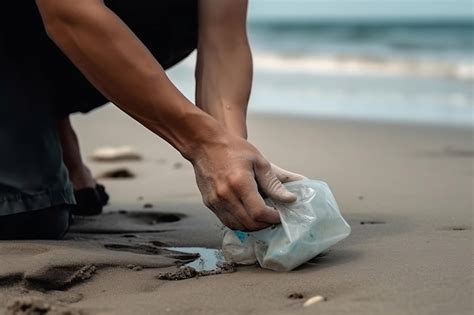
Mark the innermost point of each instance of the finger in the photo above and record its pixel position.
(229, 220)
(256, 208)
(224, 216)
(270, 184)
(286, 176)
(234, 206)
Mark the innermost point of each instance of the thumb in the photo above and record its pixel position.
(286, 176)
(270, 184)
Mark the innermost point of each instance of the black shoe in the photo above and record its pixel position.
(90, 201)
(48, 224)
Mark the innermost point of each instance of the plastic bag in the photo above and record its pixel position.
(309, 226)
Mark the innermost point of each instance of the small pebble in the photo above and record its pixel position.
(147, 205)
(314, 300)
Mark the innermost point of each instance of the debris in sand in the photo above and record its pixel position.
(36, 306)
(295, 296)
(371, 222)
(82, 274)
(118, 173)
(109, 154)
(189, 272)
(134, 267)
(148, 205)
(180, 274)
(314, 300)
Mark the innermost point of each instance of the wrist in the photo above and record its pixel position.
(232, 117)
(204, 131)
(236, 125)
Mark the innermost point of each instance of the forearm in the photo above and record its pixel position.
(120, 66)
(224, 65)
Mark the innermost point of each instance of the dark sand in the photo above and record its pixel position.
(406, 190)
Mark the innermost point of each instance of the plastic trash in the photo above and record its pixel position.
(309, 226)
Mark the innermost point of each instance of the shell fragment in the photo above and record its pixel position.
(314, 300)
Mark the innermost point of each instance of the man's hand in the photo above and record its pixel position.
(229, 174)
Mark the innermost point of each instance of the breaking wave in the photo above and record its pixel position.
(377, 66)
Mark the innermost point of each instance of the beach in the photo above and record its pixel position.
(405, 189)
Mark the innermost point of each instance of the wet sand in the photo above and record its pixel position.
(406, 191)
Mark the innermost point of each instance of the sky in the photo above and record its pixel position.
(361, 9)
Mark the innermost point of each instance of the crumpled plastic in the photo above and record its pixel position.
(309, 226)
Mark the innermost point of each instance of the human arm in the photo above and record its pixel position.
(224, 63)
(224, 68)
(228, 169)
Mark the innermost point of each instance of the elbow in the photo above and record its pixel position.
(52, 16)
(54, 30)
(59, 15)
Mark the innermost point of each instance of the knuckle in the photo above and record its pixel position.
(263, 164)
(222, 191)
(237, 179)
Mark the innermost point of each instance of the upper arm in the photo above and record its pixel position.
(222, 19)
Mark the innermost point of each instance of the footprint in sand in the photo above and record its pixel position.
(35, 305)
(124, 222)
(59, 267)
(151, 249)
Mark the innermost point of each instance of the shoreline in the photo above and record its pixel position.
(361, 120)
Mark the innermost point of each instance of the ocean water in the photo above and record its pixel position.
(378, 69)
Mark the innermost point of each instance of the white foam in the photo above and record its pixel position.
(364, 66)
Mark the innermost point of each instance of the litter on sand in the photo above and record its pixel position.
(309, 226)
